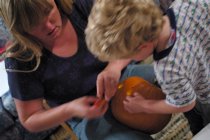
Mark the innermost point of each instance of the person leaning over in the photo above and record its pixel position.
(179, 42)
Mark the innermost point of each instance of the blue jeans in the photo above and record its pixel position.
(144, 71)
(106, 127)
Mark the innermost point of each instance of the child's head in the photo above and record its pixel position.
(117, 28)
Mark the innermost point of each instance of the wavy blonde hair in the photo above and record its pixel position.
(20, 16)
(117, 27)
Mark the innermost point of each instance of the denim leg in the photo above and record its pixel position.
(107, 128)
(145, 71)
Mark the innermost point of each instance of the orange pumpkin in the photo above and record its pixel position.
(149, 123)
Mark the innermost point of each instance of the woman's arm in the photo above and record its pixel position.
(34, 117)
(108, 79)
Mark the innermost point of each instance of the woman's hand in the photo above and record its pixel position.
(85, 107)
(108, 79)
(107, 82)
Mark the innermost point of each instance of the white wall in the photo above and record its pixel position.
(3, 79)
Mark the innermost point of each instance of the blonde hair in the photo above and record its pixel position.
(117, 27)
(66, 5)
(20, 16)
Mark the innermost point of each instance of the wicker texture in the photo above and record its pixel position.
(177, 129)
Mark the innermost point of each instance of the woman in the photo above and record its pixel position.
(48, 59)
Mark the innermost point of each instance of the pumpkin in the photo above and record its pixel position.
(149, 123)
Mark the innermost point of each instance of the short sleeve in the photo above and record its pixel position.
(174, 83)
(24, 86)
(179, 92)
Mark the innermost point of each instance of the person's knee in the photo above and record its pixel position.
(145, 71)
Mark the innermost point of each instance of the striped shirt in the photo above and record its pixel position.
(184, 74)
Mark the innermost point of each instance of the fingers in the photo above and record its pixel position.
(129, 104)
(90, 100)
(135, 94)
(111, 87)
(129, 98)
(97, 111)
(104, 108)
(106, 87)
(100, 86)
(127, 108)
(126, 101)
(99, 103)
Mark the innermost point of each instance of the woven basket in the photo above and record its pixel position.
(177, 129)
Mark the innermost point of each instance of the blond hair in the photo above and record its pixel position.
(20, 16)
(117, 27)
(66, 5)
